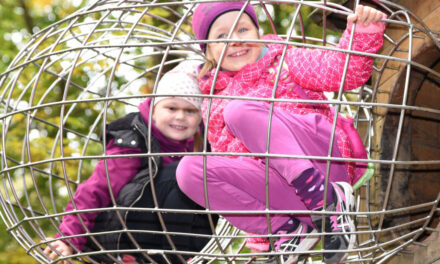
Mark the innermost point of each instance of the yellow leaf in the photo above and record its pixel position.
(40, 4)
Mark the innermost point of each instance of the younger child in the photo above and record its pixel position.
(250, 69)
(175, 122)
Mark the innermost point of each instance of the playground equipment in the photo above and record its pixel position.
(100, 62)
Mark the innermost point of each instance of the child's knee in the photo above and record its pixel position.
(231, 112)
(238, 111)
(186, 173)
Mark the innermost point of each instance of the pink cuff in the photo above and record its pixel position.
(259, 244)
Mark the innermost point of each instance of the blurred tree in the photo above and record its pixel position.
(19, 20)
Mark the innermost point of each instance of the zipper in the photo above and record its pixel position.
(136, 127)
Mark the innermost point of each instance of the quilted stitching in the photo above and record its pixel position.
(315, 70)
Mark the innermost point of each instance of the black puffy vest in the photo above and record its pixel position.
(131, 131)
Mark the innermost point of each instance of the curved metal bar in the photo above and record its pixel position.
(116, 34)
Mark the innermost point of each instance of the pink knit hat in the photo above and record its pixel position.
(181, 80)
(206, 13)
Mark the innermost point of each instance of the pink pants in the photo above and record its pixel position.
(239, 183)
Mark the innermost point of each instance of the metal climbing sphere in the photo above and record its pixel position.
(77, 75)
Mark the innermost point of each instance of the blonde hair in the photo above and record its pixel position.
(207, 67)
(211, 63)
(198, 142)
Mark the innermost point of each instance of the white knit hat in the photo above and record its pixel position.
(181, 80)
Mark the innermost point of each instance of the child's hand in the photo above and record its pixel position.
(365, 15)
(61, 247)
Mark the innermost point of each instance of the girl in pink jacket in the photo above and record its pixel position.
(299, 130)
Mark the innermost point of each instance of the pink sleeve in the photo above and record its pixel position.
(322, 70)
(94, 192)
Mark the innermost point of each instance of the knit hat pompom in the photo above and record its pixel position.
(206, 13)
(181, 80)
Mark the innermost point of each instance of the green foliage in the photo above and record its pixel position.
(19, 21)
(282, 16)
(11, 253)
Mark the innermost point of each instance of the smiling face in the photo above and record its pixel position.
(237, 54)
(176, 118)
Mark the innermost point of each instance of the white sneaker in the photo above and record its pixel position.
(343, 202)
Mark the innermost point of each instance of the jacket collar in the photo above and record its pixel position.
(248, 75)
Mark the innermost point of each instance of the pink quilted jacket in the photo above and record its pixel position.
(306, 74)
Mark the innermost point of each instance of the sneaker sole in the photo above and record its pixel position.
(307, 244)
(349, 200)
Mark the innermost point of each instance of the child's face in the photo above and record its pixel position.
(237, 54)
(176, 118)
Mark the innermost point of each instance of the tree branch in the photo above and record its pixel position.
(27, 17)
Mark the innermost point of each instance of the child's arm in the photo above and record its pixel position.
(321, 70)
(94, 192)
